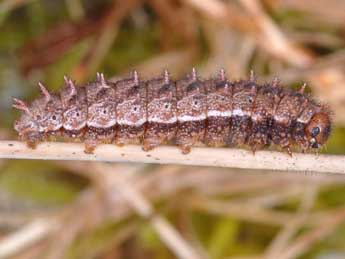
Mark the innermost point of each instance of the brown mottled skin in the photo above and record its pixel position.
(243, 98)
(158, 111)
(130, 107)
(161, 112)
(191, 101)
(219, 100)
(266, 100)
(101, 113)
(289, 108)
(74, 105)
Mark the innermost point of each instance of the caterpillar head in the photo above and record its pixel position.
(26, 126)
(44, 115)
(318, 129)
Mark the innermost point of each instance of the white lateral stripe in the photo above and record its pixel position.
(216, 113)
(255, 118)
(96, 125)
(125, 122)
(279, 118)
(239, 112)
(185, 118)
(68, 127)
(47, 129)
(158, 120)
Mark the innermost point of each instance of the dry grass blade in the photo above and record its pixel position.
(202, 156)
(169, 235)
(304, 242)
(26, 236)
(279, 45)
(291, 228)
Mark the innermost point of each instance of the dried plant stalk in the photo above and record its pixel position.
(26, 236)
(202, 156)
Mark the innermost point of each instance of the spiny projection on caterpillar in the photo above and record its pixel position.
(215, 111)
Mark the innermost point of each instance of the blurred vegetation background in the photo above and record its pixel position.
(90, 210)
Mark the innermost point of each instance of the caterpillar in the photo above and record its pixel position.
(214, 111)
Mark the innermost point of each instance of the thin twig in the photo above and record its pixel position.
(6, 6)
(108, 34)
(176, 61)
(304, 242)
(143, 207)
(290, 229)
(224, 13)
(75, 9)
(26, 236)
(202, 156)
(276, 196)
(71, 224)
(245, 212)
(279, 44)
(186, 26)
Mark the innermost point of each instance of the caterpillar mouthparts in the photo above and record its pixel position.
(157, 111)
